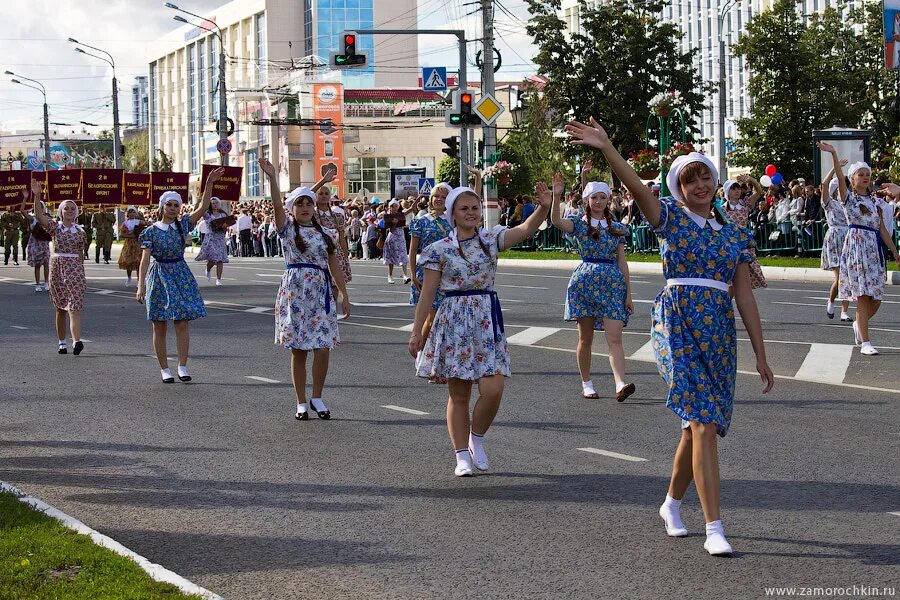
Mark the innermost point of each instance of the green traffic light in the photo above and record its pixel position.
(340, 59)
(456, 119)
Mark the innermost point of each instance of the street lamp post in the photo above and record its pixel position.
(723, 10)
(39, 87)
(117, 140)
(664, 119)
(223, 103)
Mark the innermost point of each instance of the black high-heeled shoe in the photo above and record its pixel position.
(79, 346)
(322, 414)
(302, 416)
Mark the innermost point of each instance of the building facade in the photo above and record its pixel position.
(140, 103)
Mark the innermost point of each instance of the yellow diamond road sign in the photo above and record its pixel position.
(488, 109)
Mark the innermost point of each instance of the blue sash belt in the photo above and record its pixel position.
(168, 261)
(496, 313)
(877, 238)
(327, 280)
(599, 261)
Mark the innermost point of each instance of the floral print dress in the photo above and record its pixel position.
(740, 215)
(394, 251)
(38, 250)
(305, 311)
(428, 229)
(172, 292)
(862, 271)
(213, 248)
(833, 243)
(693, 331)
(596, 289)
(67, 279)
(467, 340)
(335, 221)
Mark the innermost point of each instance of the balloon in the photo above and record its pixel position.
(777, 178)
(771, 170)
(765, 181)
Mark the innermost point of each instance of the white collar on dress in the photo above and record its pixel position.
(700, 221)
(162, 226)
(75, 227)
(598, 222)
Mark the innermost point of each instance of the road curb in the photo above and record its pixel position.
(156, 572)
(654, 268)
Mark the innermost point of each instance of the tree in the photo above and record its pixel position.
(624, 56)
(137, 149)
(163, 163)
(448, 171)
(532, 145)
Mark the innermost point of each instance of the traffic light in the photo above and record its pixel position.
(349, 58)
(461, 115)
(452, 143)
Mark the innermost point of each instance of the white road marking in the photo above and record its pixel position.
(799, 304)
(644, 353)
(613, 454)
(380, 304)
(825, 363)
(268, 275)
(261, 379)
(404, 410)
(259, 309)
(870, 328)
(105, 292)
(407, 327)
(531, 335)
(18, 327)
(825, 299)
(523, 287)
(896, 514)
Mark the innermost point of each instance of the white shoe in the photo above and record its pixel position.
(479, 457)
(674, 526)
(844, 317)
(856, 335)
(391, 280)
(868, 349)
(463, 464)
(47, 286)
(209, 275)
(717, 545)
(39, 288)
(218, 282)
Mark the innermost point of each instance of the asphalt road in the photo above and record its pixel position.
(217, 481)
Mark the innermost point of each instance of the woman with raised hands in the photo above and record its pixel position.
(693, 329)
(67, 279)
(213, 247)
(129, 230)
(833, 243)
(167, 286)
(467, 344)
(333, 220)
(305, 307)
(598, 296)
(37, 250)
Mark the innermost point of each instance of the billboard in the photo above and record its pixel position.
(328, 103)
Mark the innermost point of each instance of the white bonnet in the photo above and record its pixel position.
(596, 187)
(678, 166)
(298, 193)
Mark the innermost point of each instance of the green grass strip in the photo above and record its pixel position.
(41, 559)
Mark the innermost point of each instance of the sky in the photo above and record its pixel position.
(33, 36)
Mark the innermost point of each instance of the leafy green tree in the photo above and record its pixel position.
(162, 163)
(137, 150)
(448, 170)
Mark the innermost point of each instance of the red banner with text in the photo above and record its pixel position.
(64, 185)
(101, 187)
(11, 185)
(136, 189)
(164, 182)
(228, 187)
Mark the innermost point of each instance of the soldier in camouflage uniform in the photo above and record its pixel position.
(103, 223)
(26, 235)
(84, 219)
(11, 223)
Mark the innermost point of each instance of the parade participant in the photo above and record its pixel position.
(131, 228)
(424, 232)
(84, 221)
(332, 219)
(38, 251)
(599, 292)
(103, 223)
(737, 209)
(11, 222)
(394, 250)
(833, 243)
(305, 307)
(168, 286)
(213, 248)
(862, 270)
(466, 344)
(693, 328)
(25, 235)
(67, 279)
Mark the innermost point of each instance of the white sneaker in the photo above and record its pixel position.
(856, 335)
(47, 286)
(672, 519)
(463, 464)
(479, 458)
(717, 545)
(844, 317)
(39, 288)
(868, 349)
(391, 280)
(218, 282)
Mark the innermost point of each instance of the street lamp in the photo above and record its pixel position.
(723, 10)
(117, 141)
(223, 103)
(39, 87)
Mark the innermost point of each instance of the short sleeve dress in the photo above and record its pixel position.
(596, 289)
(67, 280)
(428, 229)
(394, 251)
(337, 222)
(740, 215)
(172, 291)
(213, 248)
(38, 250)
(833, 243)
(862, 271)
(693, 330)
(305, 312)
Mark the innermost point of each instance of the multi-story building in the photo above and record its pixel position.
(140, 103)
(274, 51)
(703, 23)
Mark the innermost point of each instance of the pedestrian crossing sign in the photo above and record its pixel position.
(434, 79)
(426, 184)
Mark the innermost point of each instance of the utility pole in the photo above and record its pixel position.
(117, 140)
(492, 207)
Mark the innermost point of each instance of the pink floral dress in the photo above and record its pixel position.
(336, 221)
(67, 279)
(740, 216)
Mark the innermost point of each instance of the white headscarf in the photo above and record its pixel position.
(596, 187)
(393, 202)
(442, 184)
(298, 193)
(727, 186)
(169, 196)
(60, 208)
(832, 187)
(448, 211)
(857, 166)
(678, 166)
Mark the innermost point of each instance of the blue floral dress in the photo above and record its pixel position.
(862, 271)
(596, 289)
(693, 330)
(467, 340)
(172, 292)
(305, 311)
(833, 243)
(429, 230)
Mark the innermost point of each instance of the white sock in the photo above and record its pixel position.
(670, 511)
(620, 386)
(476, 444)
(830, 308)
(182, 371)
(62, 343)
(716, 544)
(317, 404)
(301, 407)
(844, 315)
(166, 373)
(463, 461)
(588, 386)
(218, 281)
(208, 275)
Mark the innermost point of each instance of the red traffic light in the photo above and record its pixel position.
(349, 39)
(466, 98)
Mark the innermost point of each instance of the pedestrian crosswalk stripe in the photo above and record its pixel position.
(610, 454)
(410, 411)
(825, 363)
(644, 353)
(531, 335)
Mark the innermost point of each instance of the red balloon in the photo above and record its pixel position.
(771, 170)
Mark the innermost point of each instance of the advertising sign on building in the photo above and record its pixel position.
(405, 181)
(101, 187)
(328, 103)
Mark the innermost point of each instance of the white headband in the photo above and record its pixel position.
(298, 193)
(169, 196)
(394, 202)
(856, 167)
(442, 185)
(678, 166)
(596, 187)
(832, 187)
(448, 207)
(130, 208)
(727, 186)
(63, 203)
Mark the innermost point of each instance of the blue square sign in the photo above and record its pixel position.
(434, 79)
(426, 184)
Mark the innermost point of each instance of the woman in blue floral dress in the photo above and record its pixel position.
(599, 293)
(167, 286)
(305, 307)
(693, 329)
(466, 344)
(422, 233)
(862, 270)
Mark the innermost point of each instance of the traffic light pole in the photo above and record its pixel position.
(491, 202)
(463, 81)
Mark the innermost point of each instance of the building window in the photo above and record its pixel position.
(371, 173)
(262, 70)
(155, 110)
(308, 26)
(192, 109)
(252, 161)
(203, 95)
(213, 75)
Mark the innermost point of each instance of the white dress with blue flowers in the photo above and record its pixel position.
(693, 331)
(467, 340)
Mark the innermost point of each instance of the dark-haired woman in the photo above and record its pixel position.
(168, 286)
(305, 307)
(599, 292)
